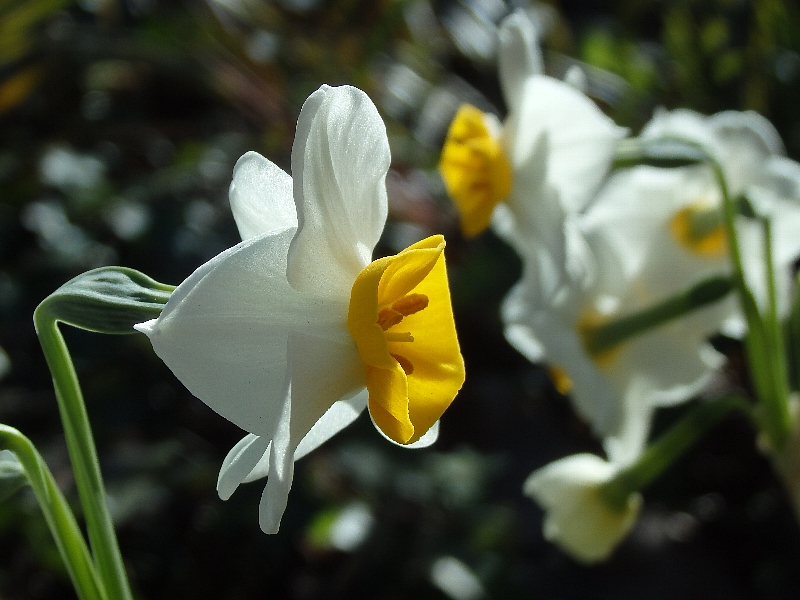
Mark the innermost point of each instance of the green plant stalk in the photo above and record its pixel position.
(663, 452)
(57, 513)
(793, 338)
(604, 337)
(774, 329)
(83, 456)
(763, 343)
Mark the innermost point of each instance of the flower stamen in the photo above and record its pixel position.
(404, 363)
(399, 336)
(410, 304)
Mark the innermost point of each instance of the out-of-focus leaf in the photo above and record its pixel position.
(18, 87)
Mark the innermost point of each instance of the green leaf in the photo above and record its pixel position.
(12, 474)
(667, 153)
(108, 300)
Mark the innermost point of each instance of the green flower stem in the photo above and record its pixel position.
(604, 337)
(57, 513)
(83, 455)
(793, 337)
(670, 446)
(764, 340)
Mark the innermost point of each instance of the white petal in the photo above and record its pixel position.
(626, 443)
(582, 140)
(281, 473)
(427, 439)
(576, 77)
(323, 373)
(519, 56)
(261, 197)
(576, 518)
(224, 331)
(240, 462)
(339, 163)
(734, 127)
(338, 416)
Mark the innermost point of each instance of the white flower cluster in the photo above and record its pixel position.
(600, 245)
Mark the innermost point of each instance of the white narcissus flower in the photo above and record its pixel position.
(290, 333)
(617, 389)
(685, 240)
(577, 516)
(650, 234)
(546, 160)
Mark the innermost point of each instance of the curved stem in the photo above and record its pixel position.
(83, 455)
(57, 513)
(670, 446)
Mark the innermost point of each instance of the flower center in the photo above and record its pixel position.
(401, 320)
(700, 229)
(474, 168)
(589, 323)
(561, 379)
(393, 315)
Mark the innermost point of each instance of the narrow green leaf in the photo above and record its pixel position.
(60, 518)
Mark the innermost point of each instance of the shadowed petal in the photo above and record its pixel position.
(224, 331)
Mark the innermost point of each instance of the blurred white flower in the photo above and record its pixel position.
(650, 234)
(684, 239)
(290, 333)
(577, 516)
(546, 160)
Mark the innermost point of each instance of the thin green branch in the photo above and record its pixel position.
(57, 513)
(664, 451)
(83, 455)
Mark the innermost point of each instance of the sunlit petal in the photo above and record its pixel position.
(261, 197)
(519, 56)
(240, 463)
(339, 163)
(224, 332)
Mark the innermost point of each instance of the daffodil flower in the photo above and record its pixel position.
(546, 159)
(290, 333)
(577, 516)
(650, 234)
(616, 389)
(667, 224)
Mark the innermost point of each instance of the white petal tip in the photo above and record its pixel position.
(224, 492)
(269, 525)
(147, 328)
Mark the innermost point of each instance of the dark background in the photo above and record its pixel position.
(120, 122)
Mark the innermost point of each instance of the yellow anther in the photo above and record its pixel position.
(699, 228)
(410, 304)
(561, 379)
(398, 336)
(389, 317)
(404, 363)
